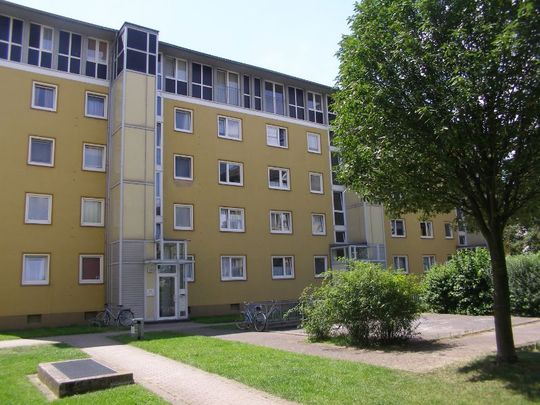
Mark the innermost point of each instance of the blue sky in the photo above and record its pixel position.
(297, 37)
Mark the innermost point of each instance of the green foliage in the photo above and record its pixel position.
(524, 280)
(371, 303)
(520, 239)
(461, 286)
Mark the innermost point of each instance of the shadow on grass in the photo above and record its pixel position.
(522, 377)
(54, 331)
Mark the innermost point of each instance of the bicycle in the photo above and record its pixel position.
(253, 318)
(107, 317)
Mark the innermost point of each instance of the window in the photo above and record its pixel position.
(35, 269)
(341, 236)
(448, 231)
(315, 183)
(320, 265)
(230, 128)
(183, 217)
(257, 94)
(176, 76)
(40, 46)
(233, 268)
(92, 211)
(397, 228)
(93, 157)
(401, 264)
(183, 167)
(44, 96)
(339, 210)
(280, 222)
(140, 51)
(38, 208)
(183, 120)
(274, 98)
(247, 92)
(231, 219)
(227, 88)
(276, 136)
(278, 178)
(313, 143)
(282, 267)
(426, 229)
(189, 269)
(315, 110)
(296, 103)
(231, 173)
(428, 262)
(318, 224)
(40, 151)
(96, 105)
(90, 269)
(201, 83)
(336, 162)
(69, 52)
(96, 58)
(10, 38)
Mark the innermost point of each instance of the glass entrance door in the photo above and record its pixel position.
(167, 284)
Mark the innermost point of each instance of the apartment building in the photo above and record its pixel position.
(173, 182)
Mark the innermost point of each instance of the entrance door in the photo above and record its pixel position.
(167, 284)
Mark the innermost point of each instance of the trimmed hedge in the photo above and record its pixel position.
(524, 280)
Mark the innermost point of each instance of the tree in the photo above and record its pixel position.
(438, 107)
(522, 238)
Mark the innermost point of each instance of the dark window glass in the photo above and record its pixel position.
(64, 43)
(158, 106)
(169, 85)
(46, 59)
(319, 117)
(338, 202)
(340, 237)
(16, 31)
(257, 87)
(4, 29)
(152, 44)
(16, 52)
(311, 115)
(75, 66)
(196, 68)
(90, 69)
(76, 45)
(320, 265)
(102, 71)
(339, 218)
(300, 97)
(247, 102)
(151, 64)
(292, 111)
(300, 114)
(234, 174)
(183, 167)
(91, 268)
(223, 172)
(34, 35)
(246, 85)
(136, 39)
(181, 88)
(196, 91)
(136, 61)
(207, 93)
(207, 75)
(63, 63)
(120, 63)
(258, 105)
(3, 50)
(33, 57)
(119, 44)
(292, 95)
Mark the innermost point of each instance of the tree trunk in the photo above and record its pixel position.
(506, 352)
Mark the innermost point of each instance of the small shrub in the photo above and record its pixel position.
(438, 292)
(524, 280)
(371, 303)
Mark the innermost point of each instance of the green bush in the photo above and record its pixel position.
(372, 304)
(524, 280)
(461, 286)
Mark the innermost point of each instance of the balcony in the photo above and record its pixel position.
(364, 253)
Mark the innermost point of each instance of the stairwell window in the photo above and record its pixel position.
(183, 167)
(40, 151)
(183, 217)
(93, 157)
(91, 269)
(38, 209)
(44, 96)
(92, 211)
(183, 121)
(96, 105)
(282, 267)
(35, 269)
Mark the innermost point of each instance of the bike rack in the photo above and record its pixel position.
(275, 312)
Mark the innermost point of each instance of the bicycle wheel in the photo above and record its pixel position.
(125, 317)
(259, 322)
(103, 319)
(243, 324)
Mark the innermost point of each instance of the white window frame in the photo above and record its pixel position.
(227, 119)
(47, 221)
(278, 128)
(318, 136)
(432, 261)
(103, 159)
(30, 162)
(9, 42)
(42, 48)
(320, 176)
(47, 272)
(190, 130)
(228, 229)
(102, 214)
(323, 233)
(81, 280)
(274, 98)
(314, 109)
(281, 171)
(54, 87)
(96, 59)
(281, 214)
(183, 228)
(393, 228)
(230, 278)
(105, 105)
(404, 270)
(284, 276)
(192, 264)
(228, 163)
(428, 225)
(190, 167)
(448, 225)
(315, 266)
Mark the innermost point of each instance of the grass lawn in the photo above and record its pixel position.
(316, 380)
(217, 319)
(15, 388)
(58, 331)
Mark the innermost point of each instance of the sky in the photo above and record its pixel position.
(296, 37)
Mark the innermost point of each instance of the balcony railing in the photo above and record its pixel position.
(365, 253)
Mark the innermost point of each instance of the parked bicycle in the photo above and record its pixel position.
(123, 317)
(254, 318)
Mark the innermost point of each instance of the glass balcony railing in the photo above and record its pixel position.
(365, 253)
